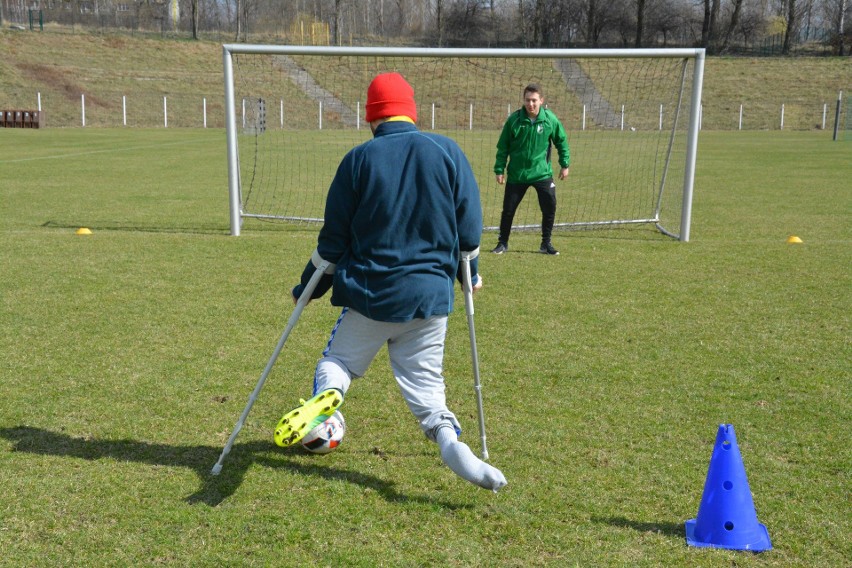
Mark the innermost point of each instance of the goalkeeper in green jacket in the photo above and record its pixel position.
(525, 143)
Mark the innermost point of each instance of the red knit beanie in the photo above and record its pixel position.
(390, 95)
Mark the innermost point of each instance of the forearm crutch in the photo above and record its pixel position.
(322, 267)
(467, 285)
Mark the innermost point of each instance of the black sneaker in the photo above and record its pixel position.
(500, 248)
(547, 248)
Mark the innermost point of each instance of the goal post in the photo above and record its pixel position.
(632, 118)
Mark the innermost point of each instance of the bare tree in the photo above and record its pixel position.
(238, 12)
(834, 14)
(751, 23)
(732, 24)
(640, 22)
(193, 9)
(229, 17)
(624, 21)
(705, 26)
(338, 18)
(465, 22)
(597, 19)
(439, 21)
(666, 19)
(792, 25)
(709, 25)
(538, 15)
(556, 21)
(808, 17)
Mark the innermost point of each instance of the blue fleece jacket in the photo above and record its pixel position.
(399, 210)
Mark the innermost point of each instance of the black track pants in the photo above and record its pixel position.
(512, 197)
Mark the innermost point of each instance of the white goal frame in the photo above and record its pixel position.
(697, 54)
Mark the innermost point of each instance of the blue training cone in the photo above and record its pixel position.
(726, 516)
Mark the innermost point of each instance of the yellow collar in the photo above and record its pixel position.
(400, 119)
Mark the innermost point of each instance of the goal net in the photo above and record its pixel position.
(631, 118)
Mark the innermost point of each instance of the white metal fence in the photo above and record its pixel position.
(143, 110)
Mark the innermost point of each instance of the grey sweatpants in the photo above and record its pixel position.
(416, 350)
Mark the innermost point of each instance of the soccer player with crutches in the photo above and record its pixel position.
(322, 267)
(398, 213)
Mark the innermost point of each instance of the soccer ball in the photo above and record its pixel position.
(326, 436)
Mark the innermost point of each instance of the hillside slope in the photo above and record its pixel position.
(61, 67)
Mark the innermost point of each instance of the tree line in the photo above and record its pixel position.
(720, 26)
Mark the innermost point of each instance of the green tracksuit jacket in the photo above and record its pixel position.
(526, 146)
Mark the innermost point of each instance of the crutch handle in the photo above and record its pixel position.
(320, 263)
(469, 255)
(467, 283)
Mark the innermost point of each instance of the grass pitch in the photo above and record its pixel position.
(128, 355)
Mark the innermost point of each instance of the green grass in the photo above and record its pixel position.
(128, 355)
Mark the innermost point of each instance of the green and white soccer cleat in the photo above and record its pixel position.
(295, 424)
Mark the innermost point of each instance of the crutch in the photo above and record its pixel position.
(467, 285)
(322, 267)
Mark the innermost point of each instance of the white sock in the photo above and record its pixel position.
(459, 458)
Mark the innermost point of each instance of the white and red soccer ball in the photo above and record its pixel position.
(326, 436)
